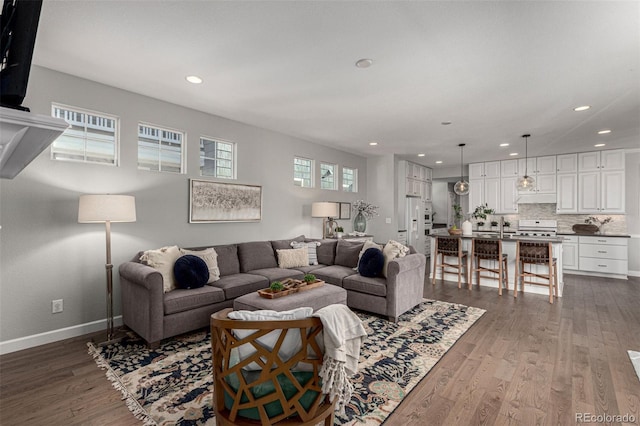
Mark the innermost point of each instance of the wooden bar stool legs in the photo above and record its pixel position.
(490, 250)
(451, 247)
(536, 255)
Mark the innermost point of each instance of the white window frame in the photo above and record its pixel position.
(183, 147)
(311, 172)
(330, 182)
(354, 182)
(116, 135)
(216, 141)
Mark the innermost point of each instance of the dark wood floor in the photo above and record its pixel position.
(524, 362)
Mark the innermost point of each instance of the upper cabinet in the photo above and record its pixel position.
(484, 181)
(601, 182)
(417, 180)
(543, 170)
(567, 163)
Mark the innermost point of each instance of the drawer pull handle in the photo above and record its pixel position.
(602, 241)
(601, 251)
(602, 266)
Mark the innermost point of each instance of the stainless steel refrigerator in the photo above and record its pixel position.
(416, 223)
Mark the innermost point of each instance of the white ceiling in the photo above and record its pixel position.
(496, 70)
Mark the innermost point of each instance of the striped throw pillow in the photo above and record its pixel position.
(311, 249)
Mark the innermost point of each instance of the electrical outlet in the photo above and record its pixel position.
(388, 220)
(57, 306)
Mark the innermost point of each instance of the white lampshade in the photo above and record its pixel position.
(324, 209)
(103, 208)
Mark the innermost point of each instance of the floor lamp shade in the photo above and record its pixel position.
(106, 208)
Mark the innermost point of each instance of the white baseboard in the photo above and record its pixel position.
(634, 273)
(55, 335)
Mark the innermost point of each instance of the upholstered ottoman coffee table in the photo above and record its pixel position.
(316, 298)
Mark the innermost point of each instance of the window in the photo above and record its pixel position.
(328, 178)
(159, 149)
(349, 179)
(217, 158)
(303, 172)
(92, 137)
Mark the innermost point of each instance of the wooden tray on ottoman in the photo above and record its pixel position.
(291, 286)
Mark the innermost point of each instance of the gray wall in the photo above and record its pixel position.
(632, 204)
(45, 254)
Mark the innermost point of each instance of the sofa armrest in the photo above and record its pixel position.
(142, 300)
(405, 283)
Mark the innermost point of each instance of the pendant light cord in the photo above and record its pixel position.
(526, 156)
(461, 163)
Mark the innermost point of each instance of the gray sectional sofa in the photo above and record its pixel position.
(251, 266)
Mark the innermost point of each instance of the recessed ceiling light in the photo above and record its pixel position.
(513, 154)
(446, 123)
(604, 132)
(439, 162)
(373, 143)
(582, 108)
(598, 145)
(420, 155)
(364, 63)
(193, 79)
(504, 144)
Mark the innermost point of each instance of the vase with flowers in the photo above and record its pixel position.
(363, 211)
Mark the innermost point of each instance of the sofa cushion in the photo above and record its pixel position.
(285, 244)
(371, 263)
(278, 274)
(347, 253)
(190, 271)
(163, 260)
(240, 284)
(374, 286)
(309, 269)
(180, 300)
(326, 251)
(333, 274)
(228, 262)
(256, 255)
(292, 258)
(210, 257)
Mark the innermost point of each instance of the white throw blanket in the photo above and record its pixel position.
(343, 335)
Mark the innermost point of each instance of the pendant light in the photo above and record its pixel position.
(462, 186)
(526, 182)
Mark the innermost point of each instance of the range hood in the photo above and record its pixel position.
(535, 198)
(23, 136)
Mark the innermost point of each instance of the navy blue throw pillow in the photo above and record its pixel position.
(191, 271)
(371, 263)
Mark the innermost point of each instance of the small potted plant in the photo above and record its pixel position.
(457, 214)
(339, 231)
(480, 214)
(494, 224)
(507, 224)
(309, 278)
(276, 287)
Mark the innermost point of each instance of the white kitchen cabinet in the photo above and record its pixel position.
(601, 182)
(508, 195)
(567, 163)
(492, 169)
(427, 191)
(509, 168)
(492, 193)
(476, 193)
(484, 180)
(543, 170)
(602, 254)
(476, 171)
(567, 193)
(570, 259)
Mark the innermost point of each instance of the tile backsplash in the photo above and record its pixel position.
(565, 221)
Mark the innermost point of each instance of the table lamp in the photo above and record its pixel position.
(327, 211)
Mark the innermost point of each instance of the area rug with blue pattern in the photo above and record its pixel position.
(172, 385)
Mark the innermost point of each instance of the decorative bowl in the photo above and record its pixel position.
(455, 231)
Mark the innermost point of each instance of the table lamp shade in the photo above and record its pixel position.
(103, 208)
(324, 209)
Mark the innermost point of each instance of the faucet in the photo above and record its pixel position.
(501, 227)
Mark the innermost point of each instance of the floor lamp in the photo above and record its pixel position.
(106, 209)
(328, 211)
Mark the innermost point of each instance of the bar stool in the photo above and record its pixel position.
(536, 254)
(447, 246)
(490, 250)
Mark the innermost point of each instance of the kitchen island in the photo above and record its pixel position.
(509, 248)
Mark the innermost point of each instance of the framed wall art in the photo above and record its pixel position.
(224, 202)
(345, 211)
